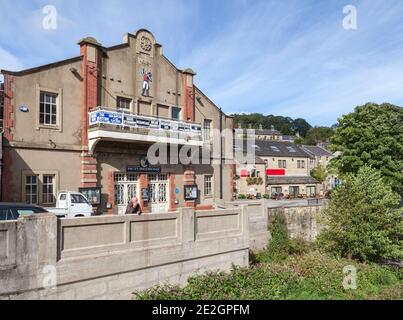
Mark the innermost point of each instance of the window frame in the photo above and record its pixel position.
(127, 99)
(205, 185)
(59, 107)
(40, 179)
(47, 193)
(207, 130)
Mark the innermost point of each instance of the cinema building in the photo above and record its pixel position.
(87, 123)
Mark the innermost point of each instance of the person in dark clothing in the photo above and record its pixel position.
(134, 207)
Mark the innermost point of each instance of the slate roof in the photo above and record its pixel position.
(264, 148)
(317, 151)
(291, 180)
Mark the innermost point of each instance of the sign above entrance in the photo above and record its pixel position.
(139, 169)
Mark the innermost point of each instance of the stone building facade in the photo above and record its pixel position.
(88, 123)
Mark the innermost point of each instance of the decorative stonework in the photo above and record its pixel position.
(145, 44)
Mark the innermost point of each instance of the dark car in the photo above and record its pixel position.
(12, 211)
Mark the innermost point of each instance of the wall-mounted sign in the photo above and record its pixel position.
(177, 191)
(191, 192)
(24, 109)
(139, 169)
(136, 121)
(145, 194)
(92, 194)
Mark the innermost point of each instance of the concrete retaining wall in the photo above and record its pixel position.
(42, 257)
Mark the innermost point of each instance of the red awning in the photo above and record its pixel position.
(275, 172)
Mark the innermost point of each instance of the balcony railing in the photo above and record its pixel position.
(122, 125)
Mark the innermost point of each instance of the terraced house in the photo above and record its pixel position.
(283, 167)
(87, 124)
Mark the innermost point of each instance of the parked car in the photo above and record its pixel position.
(71, 204)
(12, 211)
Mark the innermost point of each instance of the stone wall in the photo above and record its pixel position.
(109, 257)
(301, 221)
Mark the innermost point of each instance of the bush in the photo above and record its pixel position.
(266, 196)
(363, 220)
(241, 196)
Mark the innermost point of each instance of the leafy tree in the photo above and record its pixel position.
(363, 220)
(318, 134)
(372, 135)
(319, 173)
(299, 140)
(301, 126)
(285, 125)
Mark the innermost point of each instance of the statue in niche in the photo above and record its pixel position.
(147, 78)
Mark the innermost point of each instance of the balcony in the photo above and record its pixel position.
(117, 125)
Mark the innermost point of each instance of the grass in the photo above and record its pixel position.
(308, 276)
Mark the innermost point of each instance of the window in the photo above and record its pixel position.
(301, 164)
(208, 190)
(275, 149)
(31, 189)
(276, 190)
(123, 103)
(48, 194)
(176, 113)
(291, 149)
(207, 129)
(77, 198)
(311, 191)
(48, 108)
(282, 164)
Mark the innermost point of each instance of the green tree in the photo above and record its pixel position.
(372, 135)
(318, 134)
(363, 219)
(319, 173)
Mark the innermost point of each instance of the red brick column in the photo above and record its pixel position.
(111, 192)
(189, 93)
(89, 177)
(143, 183)
(172, 205)
(8, 125)
(8, 117)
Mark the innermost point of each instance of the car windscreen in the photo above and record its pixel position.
(78, 198)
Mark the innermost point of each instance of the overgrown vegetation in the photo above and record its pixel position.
(288, 269)
(363, 220)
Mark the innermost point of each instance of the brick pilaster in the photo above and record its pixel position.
(189, 96)
(8, 116)
(172, 205)
(143, 183)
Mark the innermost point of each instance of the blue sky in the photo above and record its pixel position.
(289, 57)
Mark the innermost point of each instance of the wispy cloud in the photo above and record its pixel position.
(282, 57)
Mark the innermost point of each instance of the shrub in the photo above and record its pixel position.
(241, 196)
(363, 220)
(266, 196)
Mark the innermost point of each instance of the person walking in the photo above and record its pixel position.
(134, 207)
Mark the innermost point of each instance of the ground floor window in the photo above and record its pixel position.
(31, 189)
(208, 185)
(48, 188)
(158, 185)
(276, 190)
(311, 191)
(126, 187)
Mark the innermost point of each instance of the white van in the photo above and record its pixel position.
(72, 204)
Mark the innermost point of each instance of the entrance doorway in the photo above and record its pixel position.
(126, 187)
(158, 185)
(294, 191)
